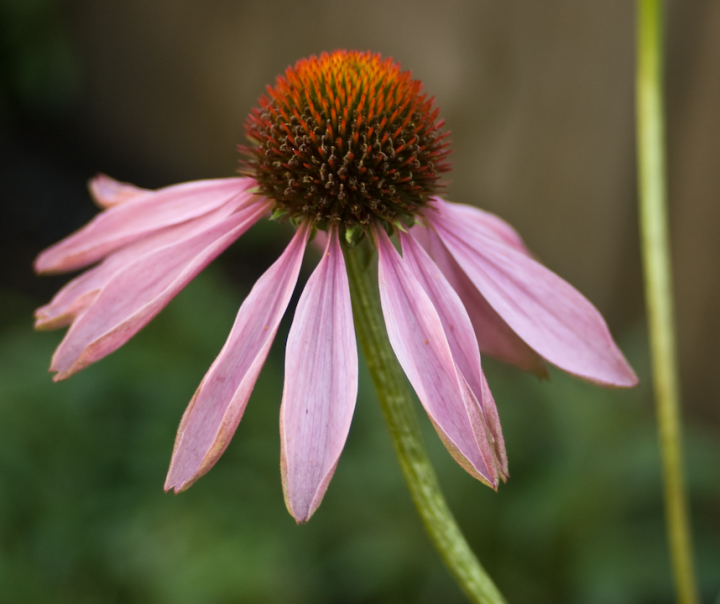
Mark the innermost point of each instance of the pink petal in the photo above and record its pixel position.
(545, 311)
(417, 336)
(140, 290)
(460, 336)
(493, 423)
(320, 240)
(215, 411)
(126, 222)
(108, 192)
(321, 378)
(494, 335)
(73, 299)
(485, 223)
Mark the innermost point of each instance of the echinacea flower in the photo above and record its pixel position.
(347, 146)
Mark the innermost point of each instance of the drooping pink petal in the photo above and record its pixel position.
(460, 336)
(108, 192)
(218, 405)
(140, 290)
(494, 335)
(126, 222)
(417, 336)
(545, 311)
(73, 299)
(321, 378)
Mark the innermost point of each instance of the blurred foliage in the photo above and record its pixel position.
(38, 68)
(83, 518)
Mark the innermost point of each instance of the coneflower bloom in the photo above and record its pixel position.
(347, 146)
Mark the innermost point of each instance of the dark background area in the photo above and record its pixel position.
(539, 99)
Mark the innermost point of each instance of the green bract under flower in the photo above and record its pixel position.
(346, 138)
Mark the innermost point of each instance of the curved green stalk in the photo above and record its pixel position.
(397, 406)
(658, 286)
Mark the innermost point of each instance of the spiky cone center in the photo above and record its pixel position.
(346, 138)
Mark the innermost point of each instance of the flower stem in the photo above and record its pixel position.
(658, 286)
(397, 406)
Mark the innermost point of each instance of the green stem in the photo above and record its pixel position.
(397, 406)
(658, 286)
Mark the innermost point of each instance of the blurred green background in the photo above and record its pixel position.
(539, 102)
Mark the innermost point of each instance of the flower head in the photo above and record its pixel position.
(346, 138)
(347, 144)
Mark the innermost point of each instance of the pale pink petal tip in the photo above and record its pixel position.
(551, 316)
(108, 192)
(219, 403)
(321, 380)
